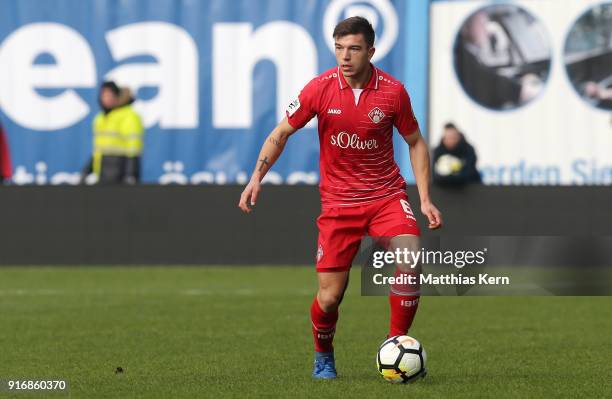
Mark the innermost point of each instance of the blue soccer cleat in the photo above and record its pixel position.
(324, 366)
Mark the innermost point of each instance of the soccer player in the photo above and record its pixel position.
(362, 191)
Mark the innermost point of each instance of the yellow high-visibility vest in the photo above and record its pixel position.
(118, 133)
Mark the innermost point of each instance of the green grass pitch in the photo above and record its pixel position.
(244, 332)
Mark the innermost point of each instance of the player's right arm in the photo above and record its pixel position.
(298, 113)
(270, 151)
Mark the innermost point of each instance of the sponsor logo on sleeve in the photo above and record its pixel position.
(294, 106)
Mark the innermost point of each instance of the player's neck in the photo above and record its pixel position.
(359, 81)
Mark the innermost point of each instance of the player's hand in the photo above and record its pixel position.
(249, 196)
(432, 214)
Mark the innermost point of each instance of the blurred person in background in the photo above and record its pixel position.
(118, 138)
(5, 157)
(454, 159)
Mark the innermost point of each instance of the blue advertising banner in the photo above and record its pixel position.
(212, 78)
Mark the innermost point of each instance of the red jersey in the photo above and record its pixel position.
(356, 140)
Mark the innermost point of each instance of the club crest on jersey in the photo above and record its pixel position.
(294, 106)
(376, 115)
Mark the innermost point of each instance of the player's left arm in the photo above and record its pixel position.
(408, 127)
(419, 158)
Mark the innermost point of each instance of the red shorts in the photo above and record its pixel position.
(342, 228)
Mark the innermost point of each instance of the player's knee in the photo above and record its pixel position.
(329, 299)
(408, 246)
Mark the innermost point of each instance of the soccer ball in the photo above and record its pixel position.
(401, 359)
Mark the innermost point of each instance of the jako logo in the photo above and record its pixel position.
(335, 111)
(345, 140)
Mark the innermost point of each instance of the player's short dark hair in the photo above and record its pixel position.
(450, 125)
(354, 26)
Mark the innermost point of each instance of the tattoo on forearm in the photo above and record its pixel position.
(264, 162)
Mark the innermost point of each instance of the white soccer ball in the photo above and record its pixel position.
(401, 359)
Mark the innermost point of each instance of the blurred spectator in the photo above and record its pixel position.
(454, 159)
(118, 138)
(5, 157)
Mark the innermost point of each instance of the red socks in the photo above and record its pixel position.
(323, 327)
(404, 302)
(403, 309)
